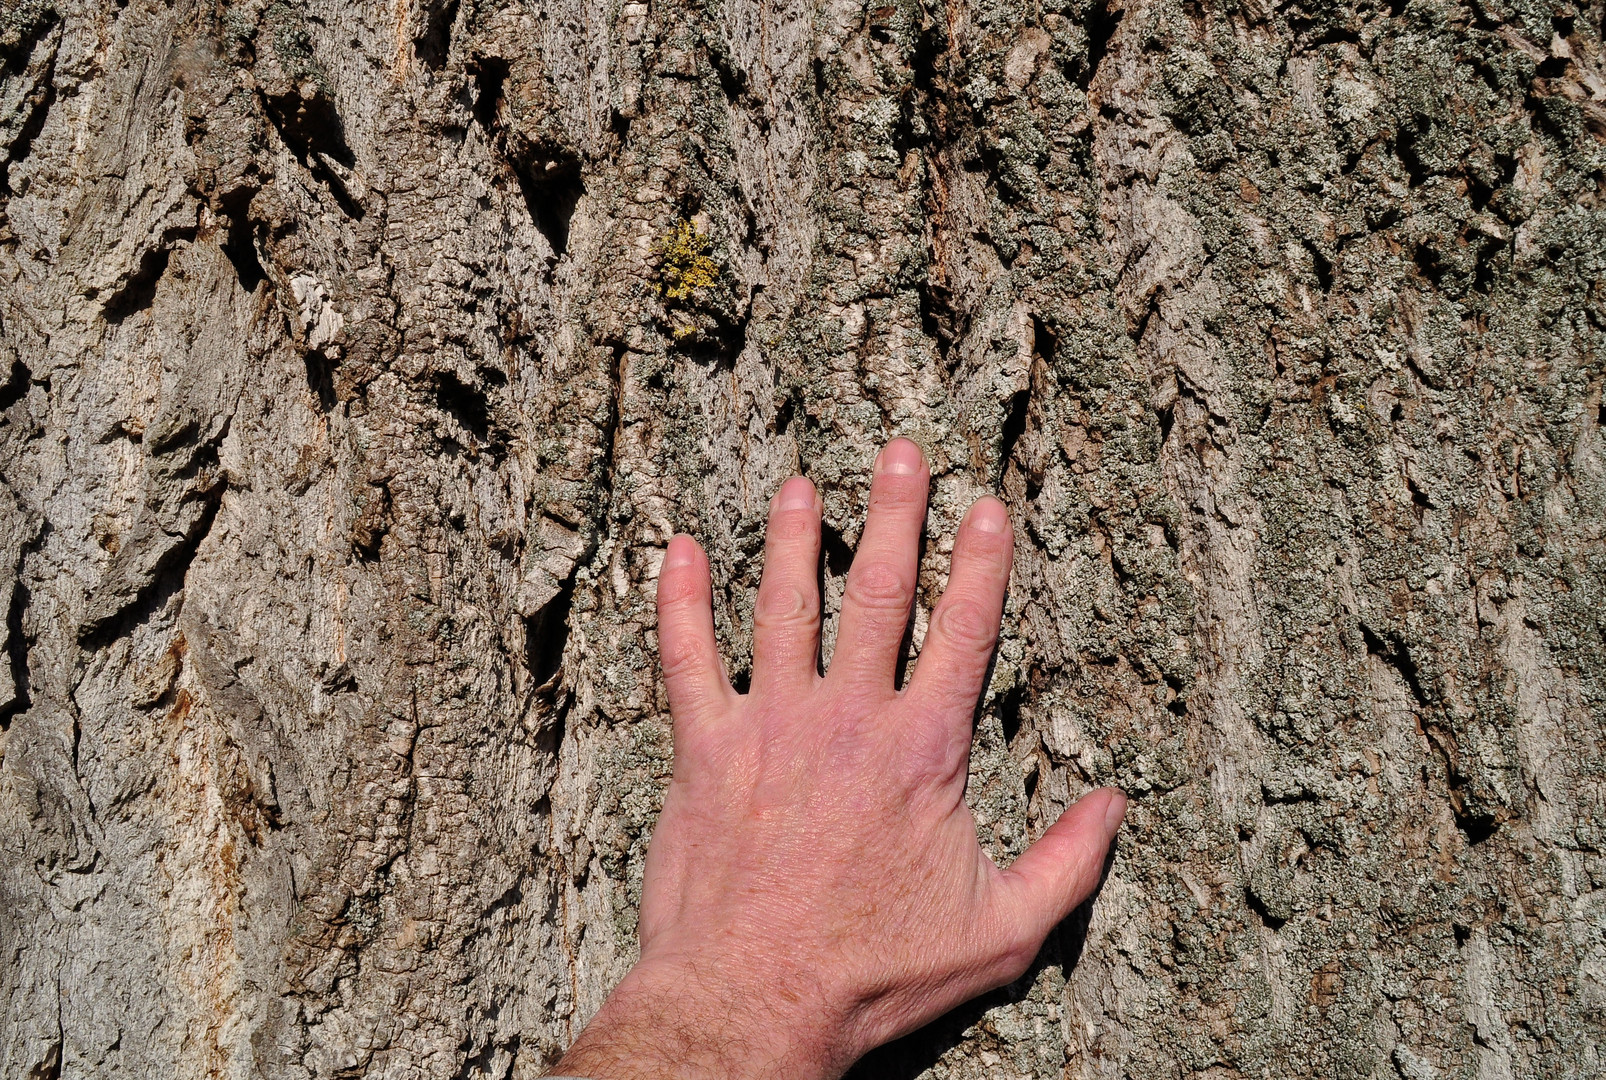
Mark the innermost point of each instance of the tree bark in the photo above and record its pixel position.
(359, 359)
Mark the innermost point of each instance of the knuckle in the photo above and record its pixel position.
(966, 625)
(934, 759)
(781, 606)
(685, 657)
(879, 587)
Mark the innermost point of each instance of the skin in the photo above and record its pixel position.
(814, 887)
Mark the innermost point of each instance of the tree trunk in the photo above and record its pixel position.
(359, 359)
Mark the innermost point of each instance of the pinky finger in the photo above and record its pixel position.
(694, 675)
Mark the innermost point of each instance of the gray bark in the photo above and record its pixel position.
(354, 379)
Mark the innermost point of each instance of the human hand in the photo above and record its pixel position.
(814, 887)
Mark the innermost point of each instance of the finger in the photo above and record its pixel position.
(694, 675)
(881, 582)
(786, 616)
(964, 627)
(1063, 867)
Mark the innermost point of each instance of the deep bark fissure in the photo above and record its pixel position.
(320, 371)
(240, 248)
(546, 635)
(1104, 19)
(310, 127)
(16, 654)
(22, 145)
(18, 379)
(139, 292)
(30, 21)
(550, 183)
(1262, 912)
(435, 45)
(161, 584)
(1393, 651)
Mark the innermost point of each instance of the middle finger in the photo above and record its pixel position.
(881, 583)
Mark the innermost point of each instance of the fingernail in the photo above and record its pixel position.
(1114, 811)
(901, 457)
(682, 552)
(989, 516)
(796, 494)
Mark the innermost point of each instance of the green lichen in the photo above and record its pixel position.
(20, 26)
(292, 45)
(239, 26)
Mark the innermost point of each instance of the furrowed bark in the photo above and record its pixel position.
(358, 360)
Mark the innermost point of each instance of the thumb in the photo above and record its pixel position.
(1063, 867)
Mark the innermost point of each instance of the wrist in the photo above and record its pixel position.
(701, 1019)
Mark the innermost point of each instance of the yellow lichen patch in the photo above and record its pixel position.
(686, 266)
